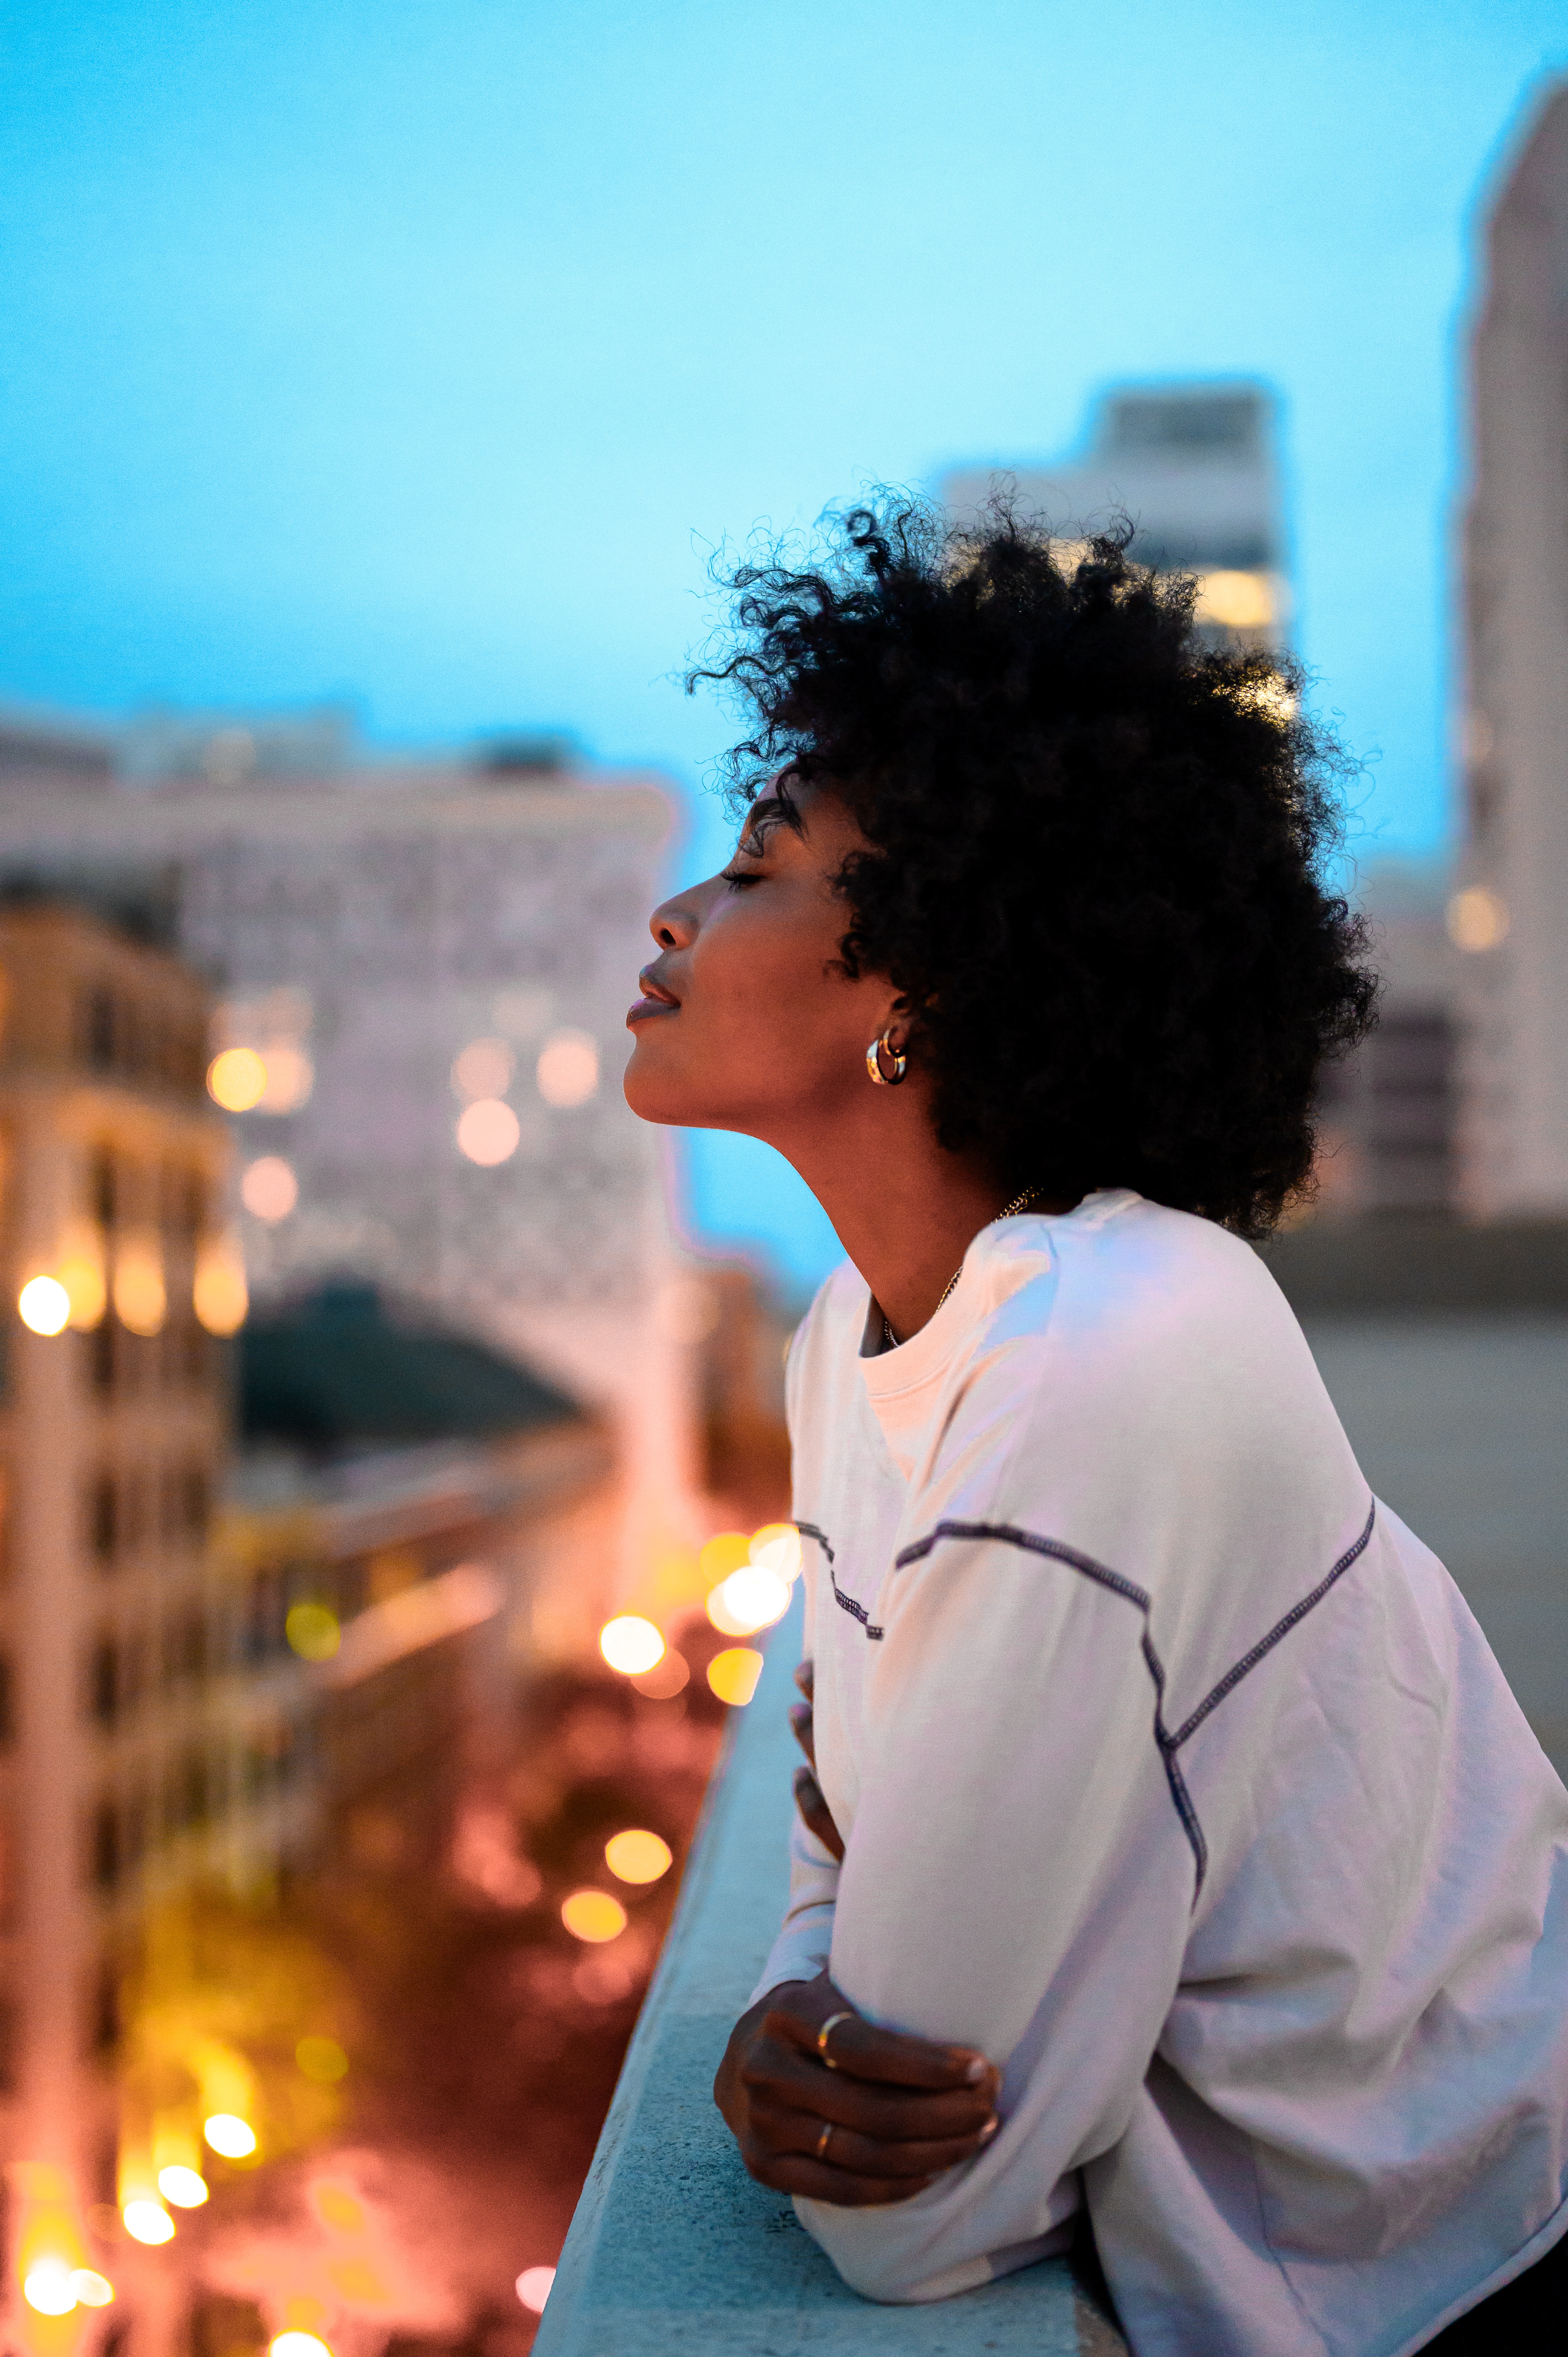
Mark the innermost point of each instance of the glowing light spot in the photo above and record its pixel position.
(485, 1068)
(534, 2288)
(237, 1080)
(219, 1296)
(92, 2289)
(1239, 601)
(269, 1190)
(49, 2288)
(592, 1915)
(637, 1856)
(321, 2059)
(298, 2344)
(733, 1675)
(666, 1679)
(357, 2280)
(777, 1547)
(81, 1269)
(184, 2187)
(313, 1631)
(724, 1555)
(290, 1077)
(147, 2221)
(488, 1132)
(228, 2133)
(337, 2207)
(140, 1302)
(43, 1305)
(567, 1073)
(1477, 919)
(630, 1644)
(751, 1598)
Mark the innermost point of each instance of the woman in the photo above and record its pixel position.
(1176, 1852)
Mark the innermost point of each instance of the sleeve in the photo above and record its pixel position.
(1018, 1876)
(806, 1935)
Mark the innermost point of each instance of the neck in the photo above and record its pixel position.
(904, 1209)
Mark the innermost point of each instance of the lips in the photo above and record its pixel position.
(655, 1000)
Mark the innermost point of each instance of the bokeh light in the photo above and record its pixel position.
(724, 1554)
(92, 2289)
(228, 2133)
(1477, 919)
(733, 1675)
(752, 1597)
(237, 1080)
(669, 1675)
(219, 1295)
(534, 2288)
(313, 1631)
(43, 1305)
(147, 2220)
(321, 2059)
(567, 1073)
(592, 1915)
(630, 1644)
(777, 1547)
(140, 1303)
(298, 2344)
(49, 2288)
(186, 2188)
(637, 1856)
(290, 1078)
(488, 1132)
(484, 1069)
(269, 1190)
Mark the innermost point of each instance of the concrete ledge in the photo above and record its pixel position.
(674, 2246)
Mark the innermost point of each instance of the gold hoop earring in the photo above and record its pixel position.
(874, 1061)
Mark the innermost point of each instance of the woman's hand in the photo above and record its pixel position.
(890, 2114)
(815, 1814)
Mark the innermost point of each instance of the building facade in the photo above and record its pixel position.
(1511, 914)
(1195, 469)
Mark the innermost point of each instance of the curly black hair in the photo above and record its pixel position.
(1096, 847)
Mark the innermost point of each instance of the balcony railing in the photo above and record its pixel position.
(673, 2247)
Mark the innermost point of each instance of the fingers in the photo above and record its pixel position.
(889, 2057)
(864, 2156)
(805, 1678)
(815, 1814)
(780, 2081)
(792, 2173)
(801, 1726)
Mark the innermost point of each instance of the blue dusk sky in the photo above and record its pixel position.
(422, 355)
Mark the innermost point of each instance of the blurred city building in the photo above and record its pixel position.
(424, 968)
(1511, 911)
(1195, 469)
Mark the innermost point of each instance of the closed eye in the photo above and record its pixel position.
(736, 876)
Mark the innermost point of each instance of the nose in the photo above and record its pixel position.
(673, 923)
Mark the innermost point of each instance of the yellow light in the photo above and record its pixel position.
(1241, 601)
(139, 1299)
(488, 1132)
(49, 2288)
(592, 1915)
(777, 1547)
(228, 2133)
(313, 1631)
(269, 1190)
(219, 1296)
(237, 1080)
(1477, 919)
(43, 1305)
(749, 1599)
(321, 2059)
(630, 1644)
(637, 1856)
(184, 2187)
(534, 2288)
(81, 1271)
(485, 1068)
(147, 2221)
(567, 1073)
(298, 2344)
(733, 1675)
(92, 2289)
(724, 1555)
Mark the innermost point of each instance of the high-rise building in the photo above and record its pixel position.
(1511, 912)
(1195, 469)
(424, 973)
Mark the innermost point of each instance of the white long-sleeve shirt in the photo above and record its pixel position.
(1175, 1775)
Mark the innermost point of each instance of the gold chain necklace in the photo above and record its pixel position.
(1007, 1212)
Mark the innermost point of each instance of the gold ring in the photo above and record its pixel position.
(823, 2139)
(832, 2022)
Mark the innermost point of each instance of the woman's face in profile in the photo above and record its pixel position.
(748, 1021)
